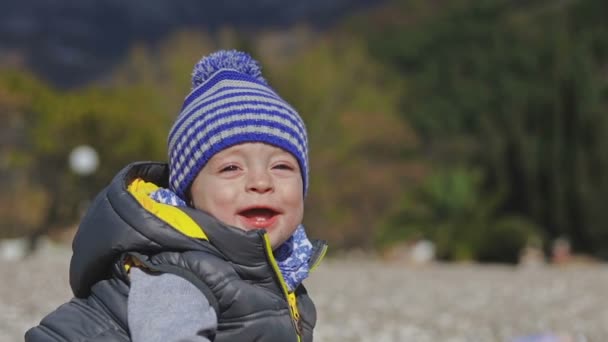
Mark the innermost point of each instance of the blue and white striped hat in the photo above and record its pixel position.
(230, 103)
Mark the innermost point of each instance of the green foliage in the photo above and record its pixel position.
(451, 209)
(506, 238)
(478, 124)
(126, 118)
(524, 85)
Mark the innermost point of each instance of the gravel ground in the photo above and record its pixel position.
(363, 300)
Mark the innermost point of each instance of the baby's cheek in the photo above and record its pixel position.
(226, 202)
(215, 201)
(225, 199)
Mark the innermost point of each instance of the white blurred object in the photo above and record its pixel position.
(423, 252)
(84, 160)
(14, 249)
(531, 257)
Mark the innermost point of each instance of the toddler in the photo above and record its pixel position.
(209, 247)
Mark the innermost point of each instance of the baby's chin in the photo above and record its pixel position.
(277, 239)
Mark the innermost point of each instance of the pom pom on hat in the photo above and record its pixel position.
(231, 59)
(230, 103)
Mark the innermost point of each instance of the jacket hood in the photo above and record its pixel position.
(116, 223)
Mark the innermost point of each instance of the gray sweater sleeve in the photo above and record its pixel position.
(168, 308)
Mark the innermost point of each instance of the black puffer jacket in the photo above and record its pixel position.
(233, 268)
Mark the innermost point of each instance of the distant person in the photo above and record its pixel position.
(209, 247)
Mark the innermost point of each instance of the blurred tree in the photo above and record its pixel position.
(518, 89)
(125, 117)
(110, 120)
(17, 196)
(451, 208)
(473, 123)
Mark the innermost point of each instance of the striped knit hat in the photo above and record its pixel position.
(230, 103)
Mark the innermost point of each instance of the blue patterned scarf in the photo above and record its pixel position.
(292, 256)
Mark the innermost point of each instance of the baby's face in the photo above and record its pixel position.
(252, 186)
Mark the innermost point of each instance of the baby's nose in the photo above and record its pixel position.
(260, 182)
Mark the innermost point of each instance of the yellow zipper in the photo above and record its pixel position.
(290, 296)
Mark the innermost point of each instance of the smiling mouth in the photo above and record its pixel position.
(259, 217)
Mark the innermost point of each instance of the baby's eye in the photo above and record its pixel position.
(229, 168)
(283, 167)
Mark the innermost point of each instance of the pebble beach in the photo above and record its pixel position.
(367, 299)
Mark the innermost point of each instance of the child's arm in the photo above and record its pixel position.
(166, 307)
